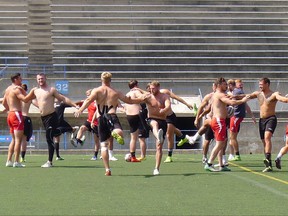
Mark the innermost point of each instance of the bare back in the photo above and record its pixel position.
(107, 99)
(132, 109)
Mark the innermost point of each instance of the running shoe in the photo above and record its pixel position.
(134, 159)
(113, 158)
(48, 164)
(118, 138)
(9, 164)
(156, 172)
(268, 169)
(236, 158)
(59, 158)
(108, 173)
(94, 158)
(191, 140)
(22, 160)
(224, 169)
(18, 165)
(73, 142)
(168, 159)
(210, 168)
(278, 163)
(204, 160)
(266, 162)
(182, 142)
(231, 157)
(141, 158)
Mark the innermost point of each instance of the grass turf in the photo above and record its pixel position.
(77, 186)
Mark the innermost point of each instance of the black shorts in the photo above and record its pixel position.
(90, 129)
(267, 124)
(134, 122)
(171, 119)
(28, 127)
(162, 124)
(107, 123)
(209, 134)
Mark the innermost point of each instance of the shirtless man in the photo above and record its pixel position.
(205, 128)
(45, 96)
(108, 122)
(171, 125)
(12, 101)
(134, 119)
(268, 121)
(158, 106)
(28, 127)
(218, 122)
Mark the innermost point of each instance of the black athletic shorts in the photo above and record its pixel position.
(267, 124)
(28, 127)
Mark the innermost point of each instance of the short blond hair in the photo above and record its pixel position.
(231, 81)
(238, 81)
(106, 76)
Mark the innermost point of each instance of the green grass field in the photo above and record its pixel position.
(77, 186)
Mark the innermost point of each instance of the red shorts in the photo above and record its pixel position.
(287, 130)
(219, 128)
(235, 124)
(15, 121)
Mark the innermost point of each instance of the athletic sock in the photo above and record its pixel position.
(23, 153)
(57, 149)
(237, 153)
(182, 136)
(268, 157)
(96, 153)
(170, 152)
(132, 154)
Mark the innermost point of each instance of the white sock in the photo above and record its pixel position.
(279, 155)
(196, 136)
(110, 152)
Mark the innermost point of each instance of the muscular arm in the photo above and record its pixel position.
(281, 98)
(176, 97)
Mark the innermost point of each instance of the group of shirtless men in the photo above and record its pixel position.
(160, 117)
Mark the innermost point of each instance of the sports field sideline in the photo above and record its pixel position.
(77, 186)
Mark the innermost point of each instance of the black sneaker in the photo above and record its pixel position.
(266, 162)
(268, 169)
(278, 163)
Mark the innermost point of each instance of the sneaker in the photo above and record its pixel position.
(224, 169)
(18, 165)
(22, 160)
(134, 159)
(210, 168)
(182, 142)
(191, 140)
(48, 164)
(113, 158)
(108, 173)
(268, 169)
(195, 109)
(168, 159)
(118, 138)
(204, 160)
(160, 135)
(231, 157)
(278, 163)
(73, 142)
(156, 172)
(266, 162)
(94, 158)
(9, 164)
(141, 158)
(235, 158)
(59, 158)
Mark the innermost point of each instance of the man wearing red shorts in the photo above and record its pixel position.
(218, 121)
(13, 97)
